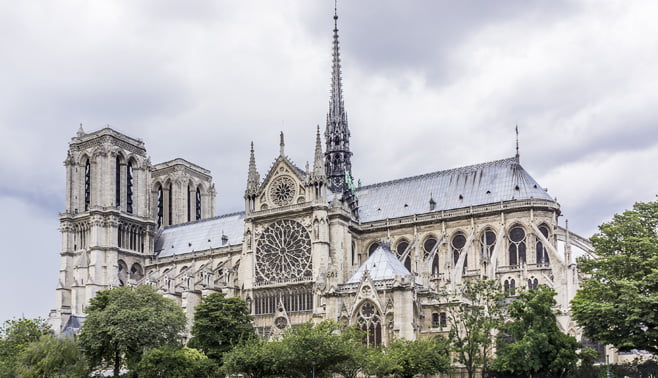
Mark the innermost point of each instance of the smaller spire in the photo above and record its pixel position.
(282, 144)
(253, 178)
(318, 163)
(517, 143)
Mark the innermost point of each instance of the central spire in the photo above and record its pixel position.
(337, 162)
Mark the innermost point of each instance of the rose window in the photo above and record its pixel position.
(282, 190)
(283, 253)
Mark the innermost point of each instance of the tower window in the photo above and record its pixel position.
(189, 204)
(198, 204)
(87, 184)
(170, 206)
(117, 183)
(129, 187)
(160, 206)
(541, 254)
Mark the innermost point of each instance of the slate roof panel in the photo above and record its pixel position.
(200, 235)
(381, 265)
(492, 182)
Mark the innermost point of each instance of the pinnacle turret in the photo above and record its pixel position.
(253, 178)
(337, 134)
(318, 163)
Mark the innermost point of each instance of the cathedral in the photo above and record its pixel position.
(310, 244)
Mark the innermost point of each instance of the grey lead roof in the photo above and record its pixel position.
(381, 265)
(492, 182)
(201, 235)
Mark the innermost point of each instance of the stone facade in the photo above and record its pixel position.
(310, 244)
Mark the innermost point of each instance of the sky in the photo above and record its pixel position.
(428, 85)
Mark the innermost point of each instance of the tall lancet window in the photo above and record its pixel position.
(129, 187)
(198, 204)
(370, 322)
(160, 206)
(189, 203)
(170, 206)
(87, 185)
(517, 246)
(541, 253)
(117, 183)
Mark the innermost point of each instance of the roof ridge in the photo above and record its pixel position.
(203, 220)
(469, 167)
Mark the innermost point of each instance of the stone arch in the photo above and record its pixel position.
(401, 245)
(369, 318)
(136, 272)
(122, 272)
(517, 237)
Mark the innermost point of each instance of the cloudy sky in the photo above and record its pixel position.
(429, 85)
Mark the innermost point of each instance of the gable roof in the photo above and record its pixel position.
(491, 182)
(381, 265)
(200, 235)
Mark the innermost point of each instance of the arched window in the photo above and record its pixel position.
(136, 272)
(399, 251)
(532, 283)
(189, 203)
(160, 205)
(517, 246)
(117, 183)
(458, 243)
(170, 208)
(510, 287)
(487, 243)
(198, 204)
(540, 251)
(354, 262)
(430, 247)
(372, 248)
(370, 322)
(122, 272)
(87, 185)
(129, 187)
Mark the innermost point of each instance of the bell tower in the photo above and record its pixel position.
(107, 226)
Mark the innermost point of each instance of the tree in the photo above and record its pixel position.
(380, 363)
(51, 357)
(618, 300)
(313, 347)
(123, 322)
(174, 361)
(254, 359)
(15, 336)
(421, 356)
(531, 342)
(474, 312)
(351, 339)
(220, 324)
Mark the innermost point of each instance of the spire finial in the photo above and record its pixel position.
(337, 157)
(253, 177)
(318, 163)
(81, 131)
(517, 142)
(282, 144)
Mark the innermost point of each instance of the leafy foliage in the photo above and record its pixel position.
(618, 300)
(474, 312)
(254, 359)
(51, 357)
(531, 342)
(174, 361)
(352, 340)
(220, 324)
(15, 336)
(124, 322)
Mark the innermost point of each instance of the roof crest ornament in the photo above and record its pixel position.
(517, 143)
(253, 178)
(282, 144)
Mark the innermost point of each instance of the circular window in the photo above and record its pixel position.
(282, 190)
(459, 241)
(429, 244)
(402, 246)
(280, 322)
(283, 252)
(517, 234)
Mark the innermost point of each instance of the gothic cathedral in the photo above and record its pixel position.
(310, 243)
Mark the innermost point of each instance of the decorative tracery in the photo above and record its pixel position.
(282, 190)
(370, 322)
(283, 253)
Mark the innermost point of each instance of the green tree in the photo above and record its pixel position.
(220, 324)
(15, 336)
(123, 322)
(618, 299)
(313, 347)
(380, 363)
(531, 343)
(421, 356)
(174, 361)
(474, 312)
(351, 340)
(51, 357)
(254, 359)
